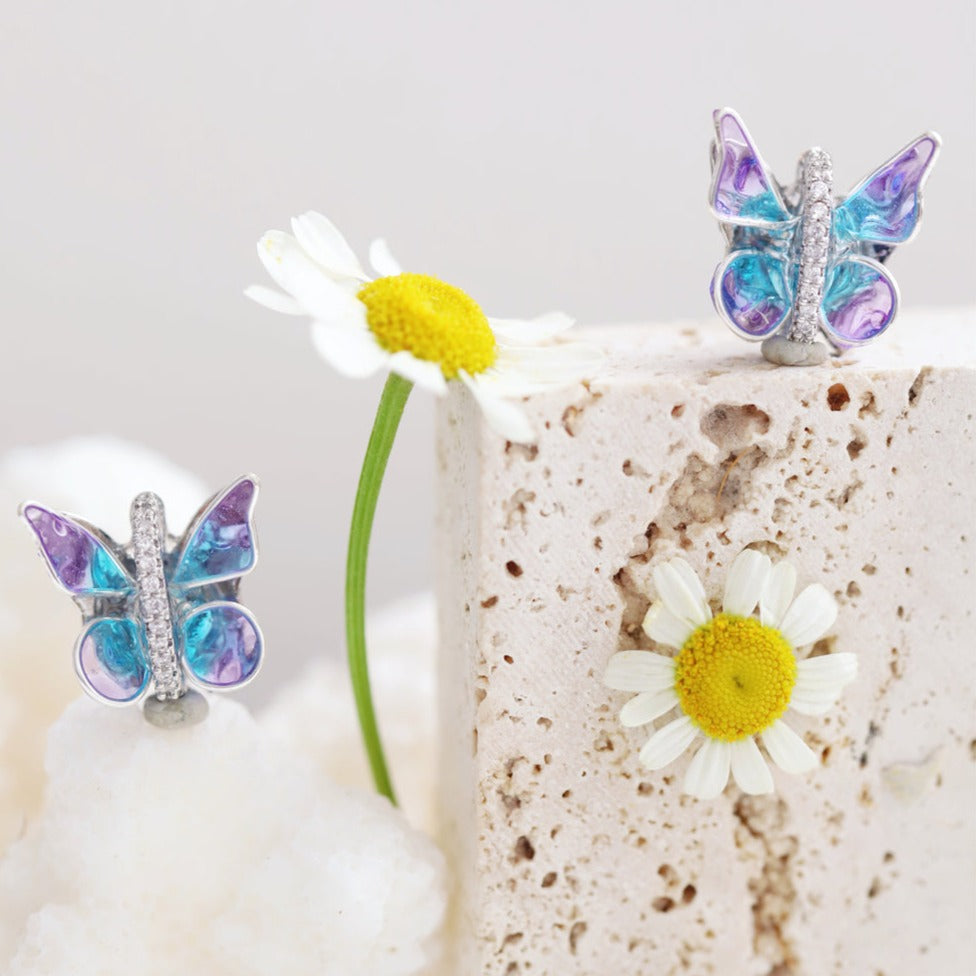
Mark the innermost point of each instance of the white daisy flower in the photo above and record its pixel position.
(419, 327)
(734, 676)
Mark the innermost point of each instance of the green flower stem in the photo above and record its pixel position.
(388, 415)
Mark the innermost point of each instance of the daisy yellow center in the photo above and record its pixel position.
(734, 677)
(430, 319)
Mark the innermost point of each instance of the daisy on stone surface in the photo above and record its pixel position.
(734, 676)
(414, 325)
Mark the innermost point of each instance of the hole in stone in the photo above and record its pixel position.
(668, 873)
(662, 904)
(527, 451)
(677, 410)
(868, 405)
(688, 894)
(875, 888)
(569, 419)
(508, 659)
(549, 879)
(524, 851)
(855, 447)
(838, 397)
(575, 934)
(628, 467)
(916, 388)
(543, 722)
(853, 589)
(489, 603)
(513, 568)
(823, 646)
(732, 425)
(868, 569)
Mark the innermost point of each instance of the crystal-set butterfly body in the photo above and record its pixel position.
(160, 613)
(801, 262)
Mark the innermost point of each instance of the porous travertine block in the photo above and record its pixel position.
(569, 858)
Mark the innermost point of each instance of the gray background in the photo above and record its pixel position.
(538, 154)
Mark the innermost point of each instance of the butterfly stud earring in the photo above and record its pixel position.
(160, 616)
(800, 262)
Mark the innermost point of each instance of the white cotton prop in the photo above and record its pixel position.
(210, 851)
(316, 715)
(97, 478)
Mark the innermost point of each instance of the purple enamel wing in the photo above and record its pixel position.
(800, 261)
(159, 613)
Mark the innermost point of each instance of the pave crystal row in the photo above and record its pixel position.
(816, 208)
(148, 539)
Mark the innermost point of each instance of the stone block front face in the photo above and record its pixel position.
(569, 858)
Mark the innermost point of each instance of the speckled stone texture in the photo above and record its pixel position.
(571, 859)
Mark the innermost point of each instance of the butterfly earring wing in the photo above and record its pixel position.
(860, 297)
(751, 291)
(752, 288)
(220, 541)
(109, 658)
(80, 558)
(885, 208)
(110, 661)
(222, 643)
(743, 191)
(860, 301)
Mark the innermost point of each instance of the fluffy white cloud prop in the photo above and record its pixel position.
(209, 850)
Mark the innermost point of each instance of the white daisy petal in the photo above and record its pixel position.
(826, 671)
(818, 703)
(548, 367)
(777, 593)
(708, 771)
(529, 332)
(681, 591)
(749, 769)
(639, 671)
(426, 374)
(647, 706)
(382, 259)
(661, 625)
(668, 743)
(295, 272)
(820, 682)
(323, 243)
(787, 749)
(275, 300)
(353, 352)
(810, 616)
(504, 417)
(745, 581)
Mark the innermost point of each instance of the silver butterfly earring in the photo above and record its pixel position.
(801, 263)
(160, 614)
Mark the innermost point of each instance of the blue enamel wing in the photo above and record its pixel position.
(755, 289)
(159, 611)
